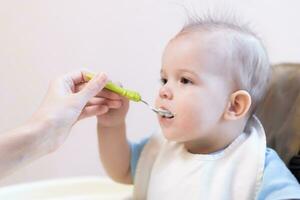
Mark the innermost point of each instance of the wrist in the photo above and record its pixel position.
(119, 125)
(41, 131)
(29, 140)
(101, 123)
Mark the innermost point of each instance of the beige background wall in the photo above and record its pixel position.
(40, 40)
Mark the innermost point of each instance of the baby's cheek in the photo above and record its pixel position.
(190, 118)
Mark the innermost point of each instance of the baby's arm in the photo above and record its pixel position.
(114, 148)
(115, 152)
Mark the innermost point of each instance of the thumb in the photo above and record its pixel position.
(93, 87)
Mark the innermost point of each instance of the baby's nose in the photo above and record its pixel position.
(165, 92)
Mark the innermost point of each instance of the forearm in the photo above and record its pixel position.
(115, 152)
(20, 146)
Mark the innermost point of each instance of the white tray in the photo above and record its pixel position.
(81, 188)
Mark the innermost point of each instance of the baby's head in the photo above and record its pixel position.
(214, 73)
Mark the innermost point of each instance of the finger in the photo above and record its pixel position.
(96, 101)
(93, 87)
(114, 104)
(105, 93)
(90, 111)
(102, 101)
(78, 76)
(74, 78)
(79, 87)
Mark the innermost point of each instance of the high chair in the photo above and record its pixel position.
(279, 113)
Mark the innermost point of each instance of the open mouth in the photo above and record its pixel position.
(168, 115)
(164, 113)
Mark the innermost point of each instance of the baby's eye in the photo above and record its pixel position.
(185, 81)
(163, 81)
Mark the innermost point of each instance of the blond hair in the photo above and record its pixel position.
(245, 52)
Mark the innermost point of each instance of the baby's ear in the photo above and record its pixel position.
(238, 105)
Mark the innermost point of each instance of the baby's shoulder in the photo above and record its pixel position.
(276, 168)
(278, 182)
(272, 159)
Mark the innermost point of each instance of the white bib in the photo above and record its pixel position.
(167, 171)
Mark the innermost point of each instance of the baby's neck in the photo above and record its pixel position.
(195, 147)
(227, 134)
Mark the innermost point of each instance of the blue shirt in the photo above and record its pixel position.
(278, 182)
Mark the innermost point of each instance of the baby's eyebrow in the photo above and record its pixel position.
(188, 71)
(179, 71)
(182, 70)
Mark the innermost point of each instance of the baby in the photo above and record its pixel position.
(213, 75)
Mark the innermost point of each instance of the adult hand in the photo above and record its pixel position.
(65, 104)
(69, 98)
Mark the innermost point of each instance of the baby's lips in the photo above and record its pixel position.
(166, 109)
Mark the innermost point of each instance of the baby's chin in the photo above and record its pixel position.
(173, 136)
